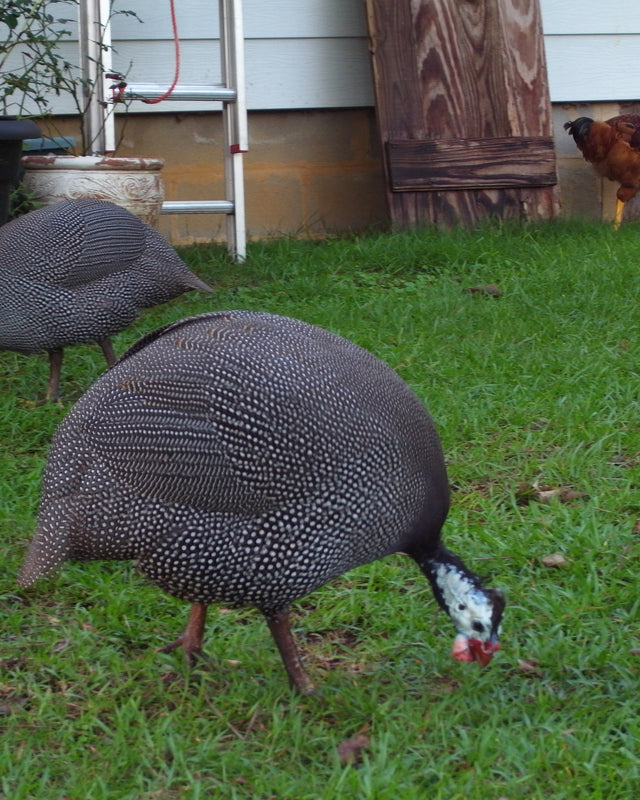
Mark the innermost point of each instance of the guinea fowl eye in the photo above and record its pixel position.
(478, 627)
(461, 607)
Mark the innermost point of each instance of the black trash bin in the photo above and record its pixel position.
(12, 133)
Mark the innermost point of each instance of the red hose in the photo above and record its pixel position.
(176, 42)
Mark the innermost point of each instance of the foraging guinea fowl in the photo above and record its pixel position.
(80, 271)
(250, 458)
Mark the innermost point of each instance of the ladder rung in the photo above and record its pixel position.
(149, 91)
(197, 207)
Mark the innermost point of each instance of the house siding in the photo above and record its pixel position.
(314, 53)
(304, 54)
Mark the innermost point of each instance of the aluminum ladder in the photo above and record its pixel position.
(231, 93)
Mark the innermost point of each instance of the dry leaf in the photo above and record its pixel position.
(350, 750)
(563, 494)
(526, 493)
(636, 528)
(488, 288)
(529, 665)
(554, 560)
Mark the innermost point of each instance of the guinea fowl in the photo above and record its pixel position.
(249, 458)
(80, 271)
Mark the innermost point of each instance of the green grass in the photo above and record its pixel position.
(538, 387)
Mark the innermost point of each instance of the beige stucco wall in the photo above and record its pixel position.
(306, 173)
(314, 172)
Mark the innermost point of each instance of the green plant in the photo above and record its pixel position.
(21, 201)
(30, 61)
(34, 69)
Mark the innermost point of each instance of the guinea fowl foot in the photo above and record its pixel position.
(281, 631)
(191, 639)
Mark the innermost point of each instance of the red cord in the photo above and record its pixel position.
(176, 41)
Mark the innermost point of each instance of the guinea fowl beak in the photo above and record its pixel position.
(466, 649)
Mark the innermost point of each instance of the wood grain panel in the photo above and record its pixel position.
(471, 163)
(471, 71)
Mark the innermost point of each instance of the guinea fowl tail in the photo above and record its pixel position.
(43, 556)
(194, 282)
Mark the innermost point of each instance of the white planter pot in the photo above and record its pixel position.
(134, 183)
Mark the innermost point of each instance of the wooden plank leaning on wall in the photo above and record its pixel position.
(463, 110)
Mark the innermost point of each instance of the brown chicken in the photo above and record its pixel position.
(613, 147)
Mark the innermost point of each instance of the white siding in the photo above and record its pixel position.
(299, 53)
(593, 49)
(304, 54)
(314, 53)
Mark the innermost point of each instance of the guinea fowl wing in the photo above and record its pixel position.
(72, 243)
(224, 428)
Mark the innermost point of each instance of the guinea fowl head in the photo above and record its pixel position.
(478, 622)
(476, 612)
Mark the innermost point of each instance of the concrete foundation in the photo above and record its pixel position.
(313, 173)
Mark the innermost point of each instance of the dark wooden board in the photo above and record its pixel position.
(498, 162)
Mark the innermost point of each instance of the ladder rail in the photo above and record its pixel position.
(232, 94)
(235, 121)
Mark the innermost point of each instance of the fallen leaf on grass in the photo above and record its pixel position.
(530, 666)
(636, 528)
(350, 750)
(563, 494)
(12, 704)
(526, 493)
(554, 560)
(488, 288)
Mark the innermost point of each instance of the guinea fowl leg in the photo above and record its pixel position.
(191, 639)
(281, 631)
(55, 365)
(107, 349)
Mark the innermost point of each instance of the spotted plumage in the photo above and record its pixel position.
(250, 458)
(80, 271)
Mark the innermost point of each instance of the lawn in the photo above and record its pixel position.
(534, 387)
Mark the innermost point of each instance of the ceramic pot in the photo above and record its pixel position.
(134, 183)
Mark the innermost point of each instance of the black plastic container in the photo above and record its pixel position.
(12, 133)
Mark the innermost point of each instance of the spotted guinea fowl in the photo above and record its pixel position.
(250, 458)
(80, 271)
